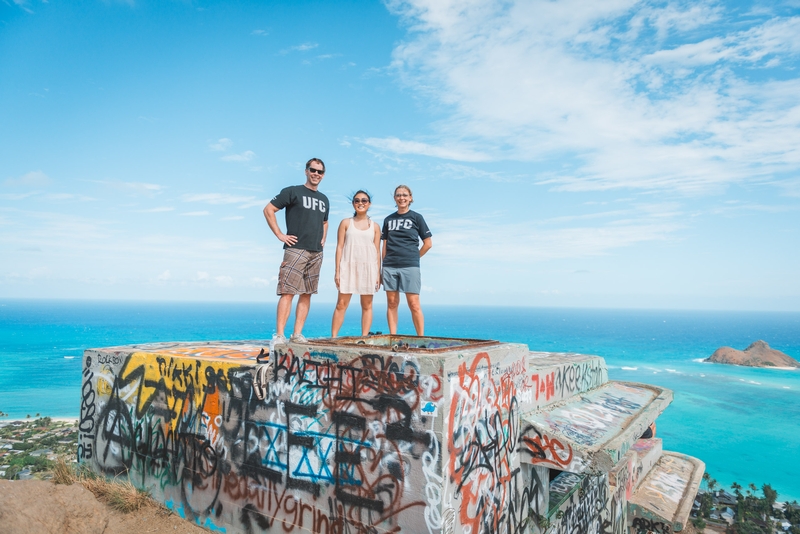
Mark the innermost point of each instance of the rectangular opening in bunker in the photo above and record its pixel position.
(401, 343)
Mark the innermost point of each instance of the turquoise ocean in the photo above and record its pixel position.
(743, 423)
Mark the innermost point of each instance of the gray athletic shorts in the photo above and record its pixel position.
(402, 279)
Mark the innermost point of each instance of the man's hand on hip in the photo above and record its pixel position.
(290, 240)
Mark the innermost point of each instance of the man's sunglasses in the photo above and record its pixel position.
(312, 170)
(360, 201)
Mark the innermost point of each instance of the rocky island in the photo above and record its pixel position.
(758, 354)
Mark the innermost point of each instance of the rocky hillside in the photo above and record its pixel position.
(758, 354)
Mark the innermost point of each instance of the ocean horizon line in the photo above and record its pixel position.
(380, 304)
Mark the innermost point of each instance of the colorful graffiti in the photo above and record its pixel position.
(360, 441)
(582, 512)
(483, 463)
(323, 446)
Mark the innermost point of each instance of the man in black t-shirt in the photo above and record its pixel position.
(306, 228)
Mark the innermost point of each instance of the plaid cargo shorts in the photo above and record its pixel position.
(299, 272)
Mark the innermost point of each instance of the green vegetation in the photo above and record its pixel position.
(28, 449)
(752, 514)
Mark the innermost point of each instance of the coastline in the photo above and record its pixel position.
(705, 360)
(31, 419)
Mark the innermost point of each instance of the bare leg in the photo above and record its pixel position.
(366, 314)
(284, 309)
(392, 302)
(301, 312)
(338, 314)
(416, 313)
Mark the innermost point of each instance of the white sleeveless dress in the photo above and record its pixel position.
(358, 271)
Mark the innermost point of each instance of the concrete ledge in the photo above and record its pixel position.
(635, 465)
(592, 431)
(663, 501)
(555, 377)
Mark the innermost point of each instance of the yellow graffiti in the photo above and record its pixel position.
(181, 383)
(103, 387)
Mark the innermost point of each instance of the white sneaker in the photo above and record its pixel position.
(276, 339)
(298, 338)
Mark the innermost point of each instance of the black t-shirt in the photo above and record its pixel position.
(402, 234)
(306, 211)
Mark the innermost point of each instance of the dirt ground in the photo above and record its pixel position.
(39, 507)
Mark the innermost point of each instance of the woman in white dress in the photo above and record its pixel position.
(358, 263)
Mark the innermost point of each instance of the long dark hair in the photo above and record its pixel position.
(369, 197)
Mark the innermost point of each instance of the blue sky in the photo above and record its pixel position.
(603, 154)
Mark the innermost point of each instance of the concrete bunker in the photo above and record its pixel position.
(384, 434)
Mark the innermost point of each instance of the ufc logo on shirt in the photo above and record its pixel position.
(312, 204)
(397, 224)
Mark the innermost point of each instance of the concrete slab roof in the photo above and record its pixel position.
(593, 430)
(666, 495)
(201, 350)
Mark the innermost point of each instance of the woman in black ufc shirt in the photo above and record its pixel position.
(402, 232)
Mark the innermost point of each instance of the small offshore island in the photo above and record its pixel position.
(758, 354)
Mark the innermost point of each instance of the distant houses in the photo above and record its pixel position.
(722, 511)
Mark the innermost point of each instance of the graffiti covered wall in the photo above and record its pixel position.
(308, 442)
(331, 438)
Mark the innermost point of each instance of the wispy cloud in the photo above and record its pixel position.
(70, 196)
(23, 4)
(398, 146)
(259, 32)
(217, 198)
(31, 179)
(160, 209)
(196, 213)
(471, 240)
(18, 196)
(634, 94)
(243, 202)
(305, 47)
(245, 156)
(454, 171)
(220, 145)
(138, 188)
(143, 187)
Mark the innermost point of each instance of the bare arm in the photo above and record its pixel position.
(324, 232)
(339, 247)
(378, 250)
(269, 214)
(426, 246)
